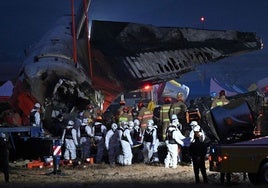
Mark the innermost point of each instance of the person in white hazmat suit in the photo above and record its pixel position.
(150, 143)
(85, 134)
(99, 132)
(174, 139)
(175, 122)
(125, 158)
(69, 138)
(195, 127)
(112, 144)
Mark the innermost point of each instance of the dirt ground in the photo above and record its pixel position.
(103, 175)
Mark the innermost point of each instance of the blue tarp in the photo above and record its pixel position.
(6, 89)
(230, 90)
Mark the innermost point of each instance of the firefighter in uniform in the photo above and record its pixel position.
(144, 115)
(69, 138)
(220, 101)
(4, 156)
(125, 115)
(179, 108)
(119, 112)
(164, 117)
(85, 135)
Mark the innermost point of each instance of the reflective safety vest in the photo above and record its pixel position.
(144, 116)
(124, 118)
(179, 108)
(164, 113)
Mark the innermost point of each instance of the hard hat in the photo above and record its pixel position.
(97, 123)
(180, 94)
(114, 126)
(174, 116)
(131, 124)
(196, 128)
(213, 94)
(70, 122)
(125, 124)
(85, 120)
(136, 122)
(37, 105)
(80, 114)
(194, 123)
(150, 123)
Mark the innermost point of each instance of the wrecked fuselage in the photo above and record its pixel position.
(119, 57)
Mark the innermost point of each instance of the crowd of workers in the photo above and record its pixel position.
(135, 135)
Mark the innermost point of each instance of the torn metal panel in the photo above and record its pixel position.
(139, 53)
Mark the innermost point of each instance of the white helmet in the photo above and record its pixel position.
(125, 124)
(70, 122)
(136, 122)
(150, 123)
(37, 105)
(194, 123)
(131, 124)
(85, 120)
(114, 126)
(174, 116)
(196, 128)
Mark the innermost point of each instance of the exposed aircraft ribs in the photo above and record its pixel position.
(140, 54)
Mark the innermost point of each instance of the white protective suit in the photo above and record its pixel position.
(174, 137)
(69, 138)
(150, 144)
(112, 144)
(126, 142)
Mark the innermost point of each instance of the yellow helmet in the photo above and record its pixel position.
(180, 94)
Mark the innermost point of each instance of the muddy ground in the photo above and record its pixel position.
(102, 175)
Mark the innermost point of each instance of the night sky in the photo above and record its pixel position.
(24, 22)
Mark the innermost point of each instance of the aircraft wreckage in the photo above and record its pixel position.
(73, 66)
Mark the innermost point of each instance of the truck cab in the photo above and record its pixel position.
(236, 148)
